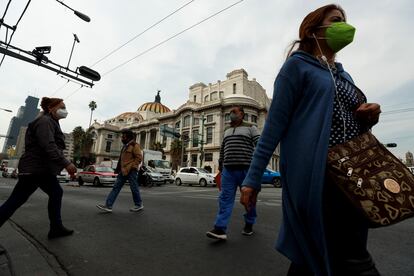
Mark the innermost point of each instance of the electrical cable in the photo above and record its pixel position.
(396, 111)
(133, 38)
(71, 94)
(14, 30)
(141, 33)
(170, 38)
(7, 7)
(164, 41)
(60, 88)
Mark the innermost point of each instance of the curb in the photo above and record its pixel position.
(24, 255)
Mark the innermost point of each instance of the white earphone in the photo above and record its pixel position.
(323, 57)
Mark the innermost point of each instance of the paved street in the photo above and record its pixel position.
(168, 237)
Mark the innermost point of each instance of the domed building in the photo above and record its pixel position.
(200, 121)
(153, 109)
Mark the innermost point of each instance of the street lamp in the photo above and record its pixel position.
(79, 14)
(75, 39)
(7, 110)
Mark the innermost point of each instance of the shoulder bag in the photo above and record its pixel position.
(375, 181)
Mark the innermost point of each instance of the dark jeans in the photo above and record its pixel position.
(132, 177)
(25, 187)
(346, 232)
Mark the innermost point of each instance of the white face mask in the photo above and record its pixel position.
(61, 113)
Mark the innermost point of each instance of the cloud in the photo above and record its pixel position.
(253, 35)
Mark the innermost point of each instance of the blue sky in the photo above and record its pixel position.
(253, 35)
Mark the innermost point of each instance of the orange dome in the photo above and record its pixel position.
(154, 107)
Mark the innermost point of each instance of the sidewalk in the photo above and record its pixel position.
(19, 256)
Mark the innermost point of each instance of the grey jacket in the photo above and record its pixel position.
(44, 145)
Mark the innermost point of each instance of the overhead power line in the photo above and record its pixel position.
(397, 104)
(162, 42)
(73, 93)
(396, 111)
(170, 38)
(135, 37)
(5, 11)
(144, 31)
(14, 27)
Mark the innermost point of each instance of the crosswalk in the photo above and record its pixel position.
(267, 197)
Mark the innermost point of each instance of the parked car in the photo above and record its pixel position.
(10, 172)
(193, 175)
(98, 175)
(147, 176)
(271, 177)
(63, 176)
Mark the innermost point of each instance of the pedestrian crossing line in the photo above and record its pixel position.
(259, 202)
(173, 193)
(272, 204)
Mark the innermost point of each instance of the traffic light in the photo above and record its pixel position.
(391, 145)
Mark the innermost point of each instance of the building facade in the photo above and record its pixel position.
(24, 116)
(200, 121)
(409, 159)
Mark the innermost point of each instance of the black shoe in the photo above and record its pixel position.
(248, 229)
(217, 234)
(59, 232)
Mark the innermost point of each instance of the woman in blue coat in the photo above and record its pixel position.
(315, 106)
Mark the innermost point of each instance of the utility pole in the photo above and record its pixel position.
(182, 151)
(202, 141)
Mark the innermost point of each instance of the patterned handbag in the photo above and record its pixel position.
(373, 179)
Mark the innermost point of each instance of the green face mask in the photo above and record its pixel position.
(338, 35)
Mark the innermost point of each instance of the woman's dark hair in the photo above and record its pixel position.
(309, 26)
(47, 103)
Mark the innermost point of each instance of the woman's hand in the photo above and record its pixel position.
(368, 113)
(248, 197)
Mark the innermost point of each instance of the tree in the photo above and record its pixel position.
(92, 107)
(158, 147)
(176, 148)
(82, 145)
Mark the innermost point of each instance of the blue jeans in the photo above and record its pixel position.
(25, 187)
(230, 181)
(119, 183)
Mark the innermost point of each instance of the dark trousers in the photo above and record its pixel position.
(25, 187)
(346, 232)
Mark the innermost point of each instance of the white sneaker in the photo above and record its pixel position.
(104, 208)
(136, 208)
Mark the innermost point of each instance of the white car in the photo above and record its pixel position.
(63, 176)
(193, 175)
(10, 172)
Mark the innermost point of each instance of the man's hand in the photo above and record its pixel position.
(368, 113)
(248, 197)
(71, 169)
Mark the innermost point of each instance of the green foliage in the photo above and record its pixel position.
(176, 149)
(82, 145)
(158, 147)
(92, 105)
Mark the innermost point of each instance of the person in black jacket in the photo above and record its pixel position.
(42, 160)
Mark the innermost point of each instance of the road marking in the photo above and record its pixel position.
(177, 192)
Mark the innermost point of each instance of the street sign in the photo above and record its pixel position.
(169, 132)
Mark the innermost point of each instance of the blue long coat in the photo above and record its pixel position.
(299, 119)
